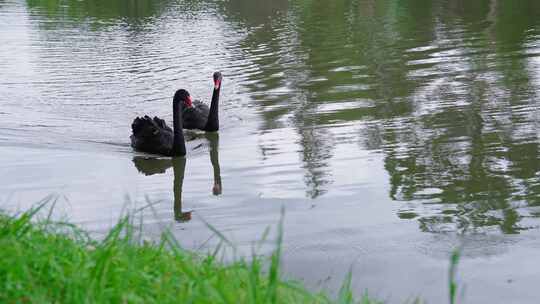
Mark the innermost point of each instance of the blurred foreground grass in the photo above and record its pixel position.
(51, 262)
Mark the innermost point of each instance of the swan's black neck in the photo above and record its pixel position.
(212, 124)
(179, 145)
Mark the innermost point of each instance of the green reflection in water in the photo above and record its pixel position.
(445, 91)
(127, 10)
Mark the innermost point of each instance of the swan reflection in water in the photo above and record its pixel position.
(151, 165)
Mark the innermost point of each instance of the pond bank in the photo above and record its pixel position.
(57, 262)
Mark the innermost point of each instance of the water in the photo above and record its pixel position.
(391, 131)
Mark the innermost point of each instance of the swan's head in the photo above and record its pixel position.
(217, 80)
(183, 96)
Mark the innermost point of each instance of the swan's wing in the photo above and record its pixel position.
(151, 135)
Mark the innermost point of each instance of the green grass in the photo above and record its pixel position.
(45, 262)
(452, 283)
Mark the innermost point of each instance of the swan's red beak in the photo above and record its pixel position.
(217, 84)
(188, 102)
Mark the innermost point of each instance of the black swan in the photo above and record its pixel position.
(154, 136)
(197, 115)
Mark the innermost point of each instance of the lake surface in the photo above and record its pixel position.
(390, 131)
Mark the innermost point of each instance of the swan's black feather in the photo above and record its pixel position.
(195, 117)
(151, 135)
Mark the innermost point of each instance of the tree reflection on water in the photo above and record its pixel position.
(445, 91)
